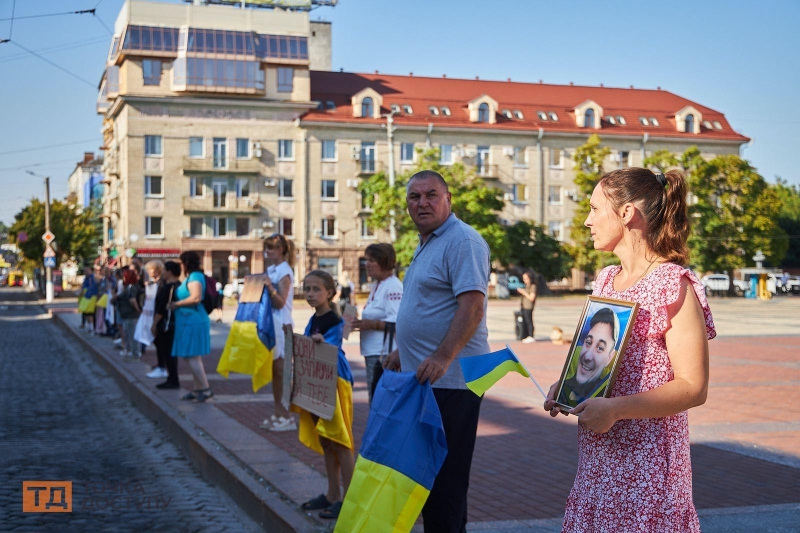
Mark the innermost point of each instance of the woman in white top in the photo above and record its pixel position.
(380, 312)
(279, 255)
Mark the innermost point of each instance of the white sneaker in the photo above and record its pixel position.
(268, 422)
(118, 342)
(157, 372)
(124, 353)
(528, 340)
(284, 424)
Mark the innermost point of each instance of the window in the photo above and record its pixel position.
(520, 156)
(198, 73)
(446, 156)
(408, 110)
(196, 148)
(366, 231)
(434, 110)
(395, 108)
(482, 161)
(707, 124)
(153, 226)
(624, 159)
(366, 107)
(367, 201)
(483, 112)
(196, 226)
(621, 120)
(588, 118)
(520, 193)
(151, 71)
(556, 158)
(152, 145)
(330, 106)
(554, 194)
(717, 125)
(329, 150)
(329, 265)
(153, 186)
(611, 120)
(367, 157)
(242, 148)
(445, 111)
(518, 114)
(688, 124)
(285, 227)
(196, 187)
(329, 189)
(285, 188)
(554, 228)
(285, 78)
(654, 121)
(542, 115)
(506, 113)
(553, 117)
(242, 227)
(328, 228)
(285, 150)
(220, 152)
(644, 122)
(407, 153)
(220, 226)
(220, 189)
(242, 187)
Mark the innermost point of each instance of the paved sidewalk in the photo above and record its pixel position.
(745, 445)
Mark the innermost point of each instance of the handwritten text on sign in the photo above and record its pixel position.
(315, 376)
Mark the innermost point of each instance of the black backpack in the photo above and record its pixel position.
(210, 296)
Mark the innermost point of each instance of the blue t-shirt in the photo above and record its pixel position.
(453, 260)
(183, 293)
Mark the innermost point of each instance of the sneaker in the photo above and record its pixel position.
(284, 424)
(268, 422)
(118, 342)
(124, 353)
(528, 340)
(157, 372)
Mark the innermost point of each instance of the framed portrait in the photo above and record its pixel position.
(597, 349)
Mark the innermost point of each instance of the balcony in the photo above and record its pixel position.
(226, 165)
(487, 172)
(226, 204)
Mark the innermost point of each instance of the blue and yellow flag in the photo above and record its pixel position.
(251, 342)
(339, 429)
(402, 451)
(481, 372)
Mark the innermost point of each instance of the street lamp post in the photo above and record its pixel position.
(390, 139)
(48, 291)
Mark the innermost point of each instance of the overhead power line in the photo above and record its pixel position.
(48, 146)
(11, 28)
(84, 80)
(79, 12)
(53, 49)
(33, 165)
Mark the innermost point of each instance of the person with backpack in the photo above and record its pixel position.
(192, 327)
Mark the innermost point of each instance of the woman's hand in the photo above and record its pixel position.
(596, 414)
(550, 403)
(173, 305)
(361, 324)
(392, 361)
(317, 337)
(154, 330)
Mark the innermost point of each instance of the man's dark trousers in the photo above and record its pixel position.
(446, 508)
(164, 352)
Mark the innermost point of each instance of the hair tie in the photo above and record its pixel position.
(661, 179)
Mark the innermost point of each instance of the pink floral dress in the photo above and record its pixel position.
(637, 477)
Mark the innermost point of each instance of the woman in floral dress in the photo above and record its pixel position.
(634, 469)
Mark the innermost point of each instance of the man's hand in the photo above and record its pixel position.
(317, 337)
(432, 368)
(550, 403)
(392, 361)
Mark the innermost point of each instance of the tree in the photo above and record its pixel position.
(3, 232)
(473, 202)
(76, 230)
(589, 166)
(529, 245)
(789, 220)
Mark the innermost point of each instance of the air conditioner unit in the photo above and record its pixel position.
(268, 224)
(470, 152)
(508, 197)
(355, 153)
(508, 151)
(251, 202)
(270, 183)
(616, 157)
(318, 232)
(353, 184)
(257, 149)
(186, 233)
(258, 233)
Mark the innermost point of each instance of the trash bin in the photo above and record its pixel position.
(518, 325)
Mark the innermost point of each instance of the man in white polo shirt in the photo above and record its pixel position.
(442, 317)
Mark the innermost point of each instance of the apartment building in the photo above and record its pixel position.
(224, 125)
(85, 183)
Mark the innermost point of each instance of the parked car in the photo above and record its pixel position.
(716, 283)
(233, 290)
(791, 286)
(3, 279)
(15, 278)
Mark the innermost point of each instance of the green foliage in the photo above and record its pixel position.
(589, 169)
(789, 220)
(3, 232)
(530, 246)
(78, 231)
(473, 202)
(661, 160)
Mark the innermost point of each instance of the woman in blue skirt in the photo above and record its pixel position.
(192, 326)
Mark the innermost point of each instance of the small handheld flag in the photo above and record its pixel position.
(481, 372)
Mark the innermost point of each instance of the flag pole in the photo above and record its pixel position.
(526, 370)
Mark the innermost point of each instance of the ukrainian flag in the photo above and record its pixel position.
(481, 372)
(339, 429)
(251, 342)
(402, 451)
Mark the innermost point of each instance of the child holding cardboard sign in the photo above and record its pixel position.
(333, 438)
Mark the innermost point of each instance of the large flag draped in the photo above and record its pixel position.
(481, 372)
(251, 342)
(402, 451)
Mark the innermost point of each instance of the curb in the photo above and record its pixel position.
(215, 462)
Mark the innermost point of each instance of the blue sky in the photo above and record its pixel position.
(740, 58)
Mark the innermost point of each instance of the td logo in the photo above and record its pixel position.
(47, 496)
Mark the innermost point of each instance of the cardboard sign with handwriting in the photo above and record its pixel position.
(253, 287)
(316, 373)
(348, 316)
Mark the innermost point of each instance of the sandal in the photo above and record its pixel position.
(332, 511)
(320, 502)
(204, 395)
(190, 395)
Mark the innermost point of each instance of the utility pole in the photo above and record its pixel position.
(48, 271)
(390, 138)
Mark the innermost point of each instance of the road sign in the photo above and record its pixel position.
(49, 252)
(48, 237)
(49, 262)
(22, 236)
